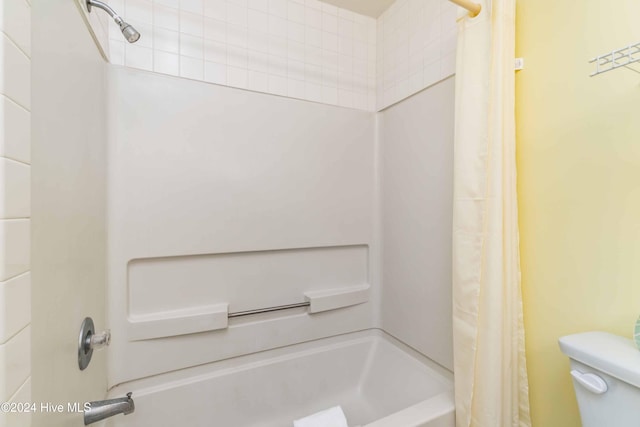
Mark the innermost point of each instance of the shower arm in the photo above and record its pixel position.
(129, 33)
(101, 5)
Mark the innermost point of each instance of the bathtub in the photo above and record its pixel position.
(378, 381)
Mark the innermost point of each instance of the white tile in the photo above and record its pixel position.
(166, 40)
(258, 61)
(169, 3)
(296, 51)
(345, 28)
(296, 12)
(215, 73)
(346, 98)
(191, 23)
(15, 189)
(242, 3)
(191, 46)
(295, 70)
(191, 68)
(193, 6)
(166, 63)
(138, 57)
(313, 18)
(329, 77)
(139, 10)
(15, 21)
(15, 253)
(329, 41)
(236, 15)
(278, 85)
(329, 23)
(19, 419)
(360, 32)
(15, 73)
(360, 101)
(313, 56)
(432, 52)
(278, 8)
(315, 4)
(237, 77)
(431, 73)
(166, 17)
(215, 52)
(313, 74)
(448, 65)
(277, 66)
(277, 26)
(15, 306)
(15, 131)
(215, 30)
(330, 95)
(295, 32)
(258, 21)
(345, 46)
(116, 52)
(295, 88)
(237, 57)
(258, 41)
(313, 92)
(118, 5)
(237, 36)
(216, 9)
(313, 36)
(278, 46)
(261, 5)
(15, 363)
(346, 14)
(258, 81)
(328, 8)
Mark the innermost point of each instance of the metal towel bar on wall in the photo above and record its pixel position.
(268, 309)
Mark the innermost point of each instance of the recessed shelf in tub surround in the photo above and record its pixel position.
(203, 292)
(216, 317)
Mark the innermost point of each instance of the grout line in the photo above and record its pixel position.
(15, 277)
(15, 335)
(11, 159)
(15, 44)
(11, 399)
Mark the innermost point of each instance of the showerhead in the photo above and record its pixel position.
(128, 31)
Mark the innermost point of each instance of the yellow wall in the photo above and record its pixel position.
(579, 186)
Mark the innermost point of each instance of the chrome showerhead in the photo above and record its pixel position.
(129, 33)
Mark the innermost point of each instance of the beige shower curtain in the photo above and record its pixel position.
(490, 369)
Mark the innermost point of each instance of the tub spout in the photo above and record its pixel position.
(102, 409)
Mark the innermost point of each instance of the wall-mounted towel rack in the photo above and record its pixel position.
(214, 317)
(617, 59)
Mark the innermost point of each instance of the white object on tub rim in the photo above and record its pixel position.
(332, 417)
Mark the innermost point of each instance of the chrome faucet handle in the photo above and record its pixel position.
(89, 340)
(99, 341)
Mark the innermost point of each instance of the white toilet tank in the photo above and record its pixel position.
(606, 377)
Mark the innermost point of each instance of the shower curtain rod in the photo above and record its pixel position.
(473, 8)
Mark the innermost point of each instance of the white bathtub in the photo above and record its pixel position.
(378, 381)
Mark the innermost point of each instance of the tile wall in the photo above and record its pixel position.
(302, 49)
(297, 48)
(416, 44)
(15, 206)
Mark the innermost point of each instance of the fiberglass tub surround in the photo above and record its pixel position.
(236, 218)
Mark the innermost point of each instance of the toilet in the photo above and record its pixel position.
(606, 377)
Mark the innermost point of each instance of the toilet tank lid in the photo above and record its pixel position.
(614, 355)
